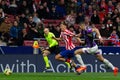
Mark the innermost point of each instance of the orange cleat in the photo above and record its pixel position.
(115, 71)
(81, 69)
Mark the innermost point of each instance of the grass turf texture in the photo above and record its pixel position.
(60, 76)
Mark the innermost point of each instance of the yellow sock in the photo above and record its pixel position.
(46, 61)
(68, 64)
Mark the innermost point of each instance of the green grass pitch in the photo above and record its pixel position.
(60, 76)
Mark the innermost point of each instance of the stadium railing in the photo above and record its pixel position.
(42, 42)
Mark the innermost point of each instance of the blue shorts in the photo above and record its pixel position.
(68, 53)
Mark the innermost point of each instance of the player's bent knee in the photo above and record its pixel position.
(56, 57)
(77, 52)
(44, 54)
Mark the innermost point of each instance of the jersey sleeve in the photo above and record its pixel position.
(89, 30)
(52, 35)
(69, 33)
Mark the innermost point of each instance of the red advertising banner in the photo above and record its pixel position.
(44, 43)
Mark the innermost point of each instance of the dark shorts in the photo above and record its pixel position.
(54, 49)
(68, 53)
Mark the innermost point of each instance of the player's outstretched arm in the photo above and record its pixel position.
(80, 41)
(58, 39)
(98, 34)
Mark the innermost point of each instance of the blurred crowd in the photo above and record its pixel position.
(25, 19)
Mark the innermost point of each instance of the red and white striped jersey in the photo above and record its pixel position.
(67, 37)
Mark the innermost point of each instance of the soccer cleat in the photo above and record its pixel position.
(115, 71)
(80, 69)
(46, 68)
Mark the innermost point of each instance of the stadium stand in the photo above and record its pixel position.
(51, 12)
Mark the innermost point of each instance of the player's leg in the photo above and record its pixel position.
(78, 53)
(63, 56)
(45, 57)
(106, 62)
(60, 58)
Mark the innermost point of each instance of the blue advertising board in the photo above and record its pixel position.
(34, 62)
(29, 50)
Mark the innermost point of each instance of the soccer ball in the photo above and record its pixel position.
(7, 72)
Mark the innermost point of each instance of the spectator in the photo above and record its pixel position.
(28, 33)
(4, 6)
(40, 29)
(72, 5)
(104, 31)
(14, 33)
(23, 19)
(25, 26)
(117, 24)
(31, 6)
(115, 2)
(95, 5)
(84, 8)
(114, 38)
(13, 8)
(102, 15)
(95, 18)
(89, 11)
(103, 4)
(70, 19)
(115, 14)
(61, 10)
(110, 7)
(20, 25)
(31, 23)
(118, 6)
(1, 18)
(87, 21)
(32, 29)
(79, 11)
(24, 36)
(57, 31)
(54, 14)
(46, 10)
(107, 17)
(36, 19)
(51, 27)
(27, 13)
(109, 25)
(40, 12)
(23, 7)
(2, 13)
(80, 18)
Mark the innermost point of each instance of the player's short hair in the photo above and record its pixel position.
(46, 28)
(63, 22)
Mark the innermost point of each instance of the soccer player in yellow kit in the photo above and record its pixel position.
(53, 47)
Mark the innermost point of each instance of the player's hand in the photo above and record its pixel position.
(82, 42)
(101, 40)
(76, 35)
